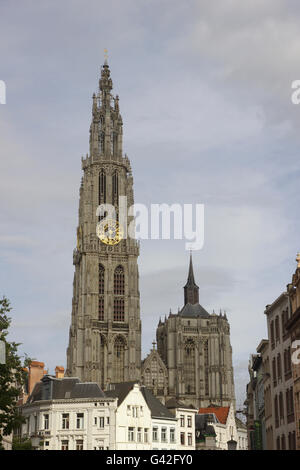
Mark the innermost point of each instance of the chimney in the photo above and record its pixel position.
(36, 373)
(59, 372)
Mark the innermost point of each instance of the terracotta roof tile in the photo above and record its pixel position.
(221, 412)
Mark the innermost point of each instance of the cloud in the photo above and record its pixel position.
(205, 98)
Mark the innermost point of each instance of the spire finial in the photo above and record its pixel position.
(191, 290)
(105, 56)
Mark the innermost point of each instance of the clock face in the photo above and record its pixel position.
(109, 231)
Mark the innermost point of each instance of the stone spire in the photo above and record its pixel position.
(191, 290)
(106, 131)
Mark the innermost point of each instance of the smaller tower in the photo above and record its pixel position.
(191, 290)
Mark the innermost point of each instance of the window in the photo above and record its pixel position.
(155, 434)
(146, 435)
(95, 421)
(172, 435)
(163, 434)
(101, 293)
(119, 291)
(277, 332)
(65, 421)
(272, 334)
(115, 189)
(130, 434)
(189, 421)
(281, 410)
(190, 439)
(64, 445)
(102, 187)
(46, 443)
(182, 421)
(206, 364)
(189, 367)
(119, 358)
(79, 445)
(119, 309)
(101, 422)
(107, 420)
(274, 371)
(119, 286)
(139, 435)
(46, 421)
(79, 421)
(182, 438)
(279, 366)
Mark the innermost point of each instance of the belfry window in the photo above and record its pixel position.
(119, 309)
(119, 291)
(101, 293)
(115, 189)
(190, 367)
(102, 187)
(119, 359)
(119, 284)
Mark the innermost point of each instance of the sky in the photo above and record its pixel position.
(205, 96)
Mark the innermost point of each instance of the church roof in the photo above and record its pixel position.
(193, 310)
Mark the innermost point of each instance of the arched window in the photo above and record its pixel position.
(206, 364)
(119, 284)
(189, 367)
(102, 361)
(119, 291)
(147, 378)
(119, 309)
(101, 293)
(119, 360)
(102, 187)
(115, 188)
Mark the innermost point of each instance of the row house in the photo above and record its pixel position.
(67, 414)
(218, 428)
(293, 327)
(276, 425)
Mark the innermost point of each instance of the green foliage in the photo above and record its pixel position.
(12, 375)
(21, 444)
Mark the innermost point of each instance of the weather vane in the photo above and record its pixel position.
(105, 55)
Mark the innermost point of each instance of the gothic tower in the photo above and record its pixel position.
(105, 333)
(195, 348)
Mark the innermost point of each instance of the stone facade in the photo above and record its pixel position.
(195, 348)
(105, 332)
(293, 327)
(283, 418)
(193, 360)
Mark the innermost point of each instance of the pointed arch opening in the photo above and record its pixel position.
(190, 367)
(119, 359)
(101, 279)
(102, 187)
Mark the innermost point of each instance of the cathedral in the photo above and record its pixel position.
(193, 358)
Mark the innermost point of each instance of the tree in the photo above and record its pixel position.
(12, 376)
